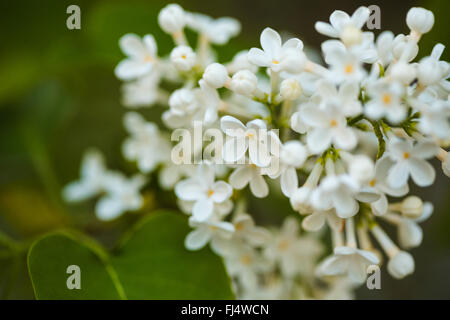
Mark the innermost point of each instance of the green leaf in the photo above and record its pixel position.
(150, 263)
(49, 258)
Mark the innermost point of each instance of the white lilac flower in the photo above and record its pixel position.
(206, 231)
(92, 178)
(141, 56)
(409, 159)
(240, 137)
(345, 27)
(245, 231)
(379, 185)
(345, 65)
(251, 175)
(289, 250)
(339, 192)
(220, 210)
(431, 70)
(217, 31)
(277, 56)
(245, 264)
(350, 261)
(122, 195)
(204, 190)
(434, 115)
(144, 139)
(329, 126)
(386, 101)
(142, 92)
(345, 99)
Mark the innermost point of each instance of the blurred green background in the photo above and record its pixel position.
(59, 96)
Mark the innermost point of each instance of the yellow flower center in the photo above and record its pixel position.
(372, 182)
(210, 192)
(386, 98)
(283, 245)
(239, 226)
(275, 61)
(406, 155)
(333, 123)
(148, 58)
(348, 69)
(246, 259)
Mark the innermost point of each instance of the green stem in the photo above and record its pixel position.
(380, 137)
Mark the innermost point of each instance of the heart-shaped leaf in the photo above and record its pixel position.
(150, 263)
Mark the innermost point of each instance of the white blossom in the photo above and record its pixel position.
(141, 56)
(287, 57)
(204, 190)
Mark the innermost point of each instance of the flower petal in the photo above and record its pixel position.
(189, 190)
(398, 175)
(131, 44)
(258, 186)
(232, 127)
(197, 239)
(240, 177)
(270, 41)
(318, 140)
(222, 191)
(202, 209)
(129, 69)
(421, 171)
(289, 181)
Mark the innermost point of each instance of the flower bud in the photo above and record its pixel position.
(294, 154)
(290, 89)
(420, 20)
(215, 75)
(183, 58)
(244, 82)
(401, 265)
(412, 207)
(172, 18)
